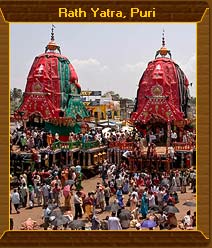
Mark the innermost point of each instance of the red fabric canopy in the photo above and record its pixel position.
(159, 93)
(37, 104)
(47, 87)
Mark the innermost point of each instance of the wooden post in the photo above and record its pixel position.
(83, 162)
(100, 158)
(141, 164)
(89, 159)
(157, 164)
(78, 156)
(53, 158)
(114, 156)
(24, 124)
(110, 157)
(168, 140)
(118, 156)
(71, 158)
(191, 158)
(168, 165)
(108, 154)
(67, 153)
(131, 164)
(182, 160)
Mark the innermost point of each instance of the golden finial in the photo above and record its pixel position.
(163, 51)
(52, 46)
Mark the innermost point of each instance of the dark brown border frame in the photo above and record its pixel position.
(186, 11)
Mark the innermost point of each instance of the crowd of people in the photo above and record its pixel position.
(143, 194)
(39, 138)
(148, 195)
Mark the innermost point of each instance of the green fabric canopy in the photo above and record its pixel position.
(62, 130)
(76, 107)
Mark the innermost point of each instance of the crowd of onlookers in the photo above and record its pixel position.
(40, 138)
(142, 194)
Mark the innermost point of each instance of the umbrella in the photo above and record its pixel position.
(171, 209)
(77, 225)
(126, 128)
(190, 204)
(111, 124)
(114, 207)
(59, 221)
(144, 174)
(108, 208)
(164, 182)
(148, 224)
(59, 218)
(69, 182)
(155, 208)
(51, 207)
(106, 130)
(124, 215)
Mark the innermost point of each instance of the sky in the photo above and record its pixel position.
(106, 57)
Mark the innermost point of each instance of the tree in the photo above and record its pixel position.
(193, 100)
(15, 99)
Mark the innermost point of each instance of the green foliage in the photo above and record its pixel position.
(193, 100)
(16, 96)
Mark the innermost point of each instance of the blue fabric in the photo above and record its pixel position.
(144, 205)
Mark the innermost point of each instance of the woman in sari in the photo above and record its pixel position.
(133, 202)
(67, 195)
(88, 205)
(119, 196)
(144, 204)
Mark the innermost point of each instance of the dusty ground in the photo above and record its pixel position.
(89, 185)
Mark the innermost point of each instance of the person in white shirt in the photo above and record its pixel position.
(23, 194)
(155, 189)
(187, 221)
(77, 205)
(160, 195)
(173, 136)
(118, 182)
(151, 200)
(109, 175)
(135, 192)
(15, 198)
(114, 223)
(152, 137)
(22, 179)
(125, 156)
(45, 192)
(171, 152)
(36, 180)
(185, 138)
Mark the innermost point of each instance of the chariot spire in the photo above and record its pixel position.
(52, 45)
(163, 50)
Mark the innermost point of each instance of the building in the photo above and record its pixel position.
(101, 107)
(126, 108)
